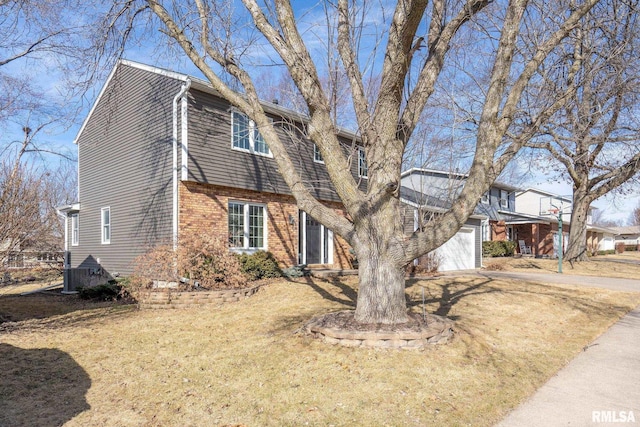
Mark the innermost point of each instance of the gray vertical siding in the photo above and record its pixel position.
(125, 163)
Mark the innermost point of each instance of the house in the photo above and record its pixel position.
(161, 153)
(31, 254)
(427, 192)
(462, 252)
(536, 222)
(628, 236)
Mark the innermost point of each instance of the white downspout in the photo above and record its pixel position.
(185, 87)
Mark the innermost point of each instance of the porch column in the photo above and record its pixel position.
(535, 239)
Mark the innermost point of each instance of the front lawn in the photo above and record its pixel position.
(246, 363)
(601, 265)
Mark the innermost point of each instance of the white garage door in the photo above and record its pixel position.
(606, 244)
(458, 253)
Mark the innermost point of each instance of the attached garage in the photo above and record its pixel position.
(458, 253)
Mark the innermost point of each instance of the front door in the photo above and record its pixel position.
(316, 241)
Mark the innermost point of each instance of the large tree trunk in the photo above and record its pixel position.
(381, 293)
(381, 297)
(577, 249)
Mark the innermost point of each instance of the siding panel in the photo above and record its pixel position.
(125, 162)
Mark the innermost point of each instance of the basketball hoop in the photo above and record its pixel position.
(553, 211)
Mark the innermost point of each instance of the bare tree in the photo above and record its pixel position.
(595, 136)
(417, 38)
(28, 196)
(634, 218)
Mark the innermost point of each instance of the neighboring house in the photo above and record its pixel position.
(537, 225)
(160, 154)
(444, 186)
(600, 238)
(427, 192)
(463, 251)
(628, 235)
(31, 254)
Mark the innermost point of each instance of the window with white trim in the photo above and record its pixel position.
(105, 222)
(317, 155)
(245, 135)
(75, 230)
(485, 198)
(363, 169)
(247, 227)
(504, 199)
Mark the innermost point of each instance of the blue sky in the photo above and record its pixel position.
(60, 137)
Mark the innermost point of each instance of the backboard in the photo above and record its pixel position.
(554, 205)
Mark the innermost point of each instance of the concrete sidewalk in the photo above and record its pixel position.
(601, 386)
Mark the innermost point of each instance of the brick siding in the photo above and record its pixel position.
(205, 206)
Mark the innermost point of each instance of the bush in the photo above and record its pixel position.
(259, 265)
(108, 292)
(202, 258)
(607, 252)
(630, 248)
(294, 272)
(498, 248)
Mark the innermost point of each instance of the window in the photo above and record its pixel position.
(75, 230)
(317, 155)
(485, 198)
(486, 231)
(246, 137)
(504, 199)
(247, 228)
(106, 225)
(363, 169)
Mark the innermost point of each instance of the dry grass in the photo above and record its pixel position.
(603, 265)
(244, 364)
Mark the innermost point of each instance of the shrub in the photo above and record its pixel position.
(259, 265)
(607, 252)
(203, 259)
(498, 248)
(620, 247)
(108, 292)
(630, 248)
(294, 272)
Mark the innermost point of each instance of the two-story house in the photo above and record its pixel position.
(427, 192)
(537, 223)
(161, 153)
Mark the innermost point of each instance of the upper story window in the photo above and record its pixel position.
(247, 228)
(105, 221)
(246, 137)
(363, 169)
(317, 155)
(485, 198)
(75, 230)
(504, 199)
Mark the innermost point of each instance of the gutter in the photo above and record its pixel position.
(174, 137)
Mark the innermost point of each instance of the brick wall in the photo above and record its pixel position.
(204, 207)
(498, 230)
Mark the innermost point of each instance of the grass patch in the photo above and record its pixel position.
(243, 363)
(602, 266)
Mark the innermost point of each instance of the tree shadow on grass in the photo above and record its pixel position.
(448, 294)
(40, 387)
(333, 289)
